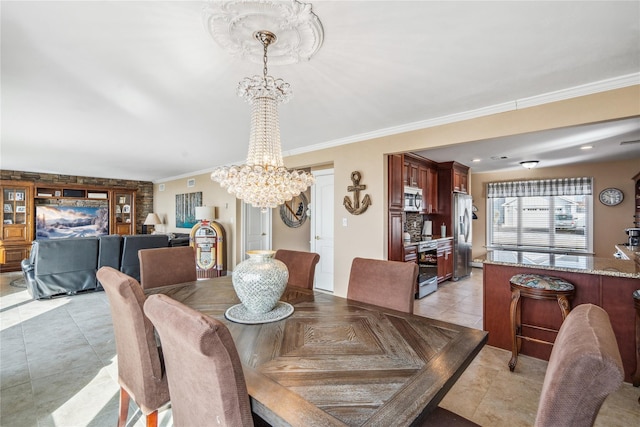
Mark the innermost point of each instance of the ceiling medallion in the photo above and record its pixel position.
(232, 25)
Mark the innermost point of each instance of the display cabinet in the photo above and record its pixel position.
(123, 215)
(17, 223)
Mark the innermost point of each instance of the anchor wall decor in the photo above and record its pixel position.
(355, 208)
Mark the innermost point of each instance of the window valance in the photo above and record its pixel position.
(542, 187)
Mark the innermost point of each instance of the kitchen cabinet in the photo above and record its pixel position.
(445, 259)
(429, 184)
(411, 253)
(17, 223)
(636, 216)
(395, 183)
(459, 181)
(411, 175)
(395, 250)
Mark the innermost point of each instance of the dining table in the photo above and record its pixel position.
(338, 362)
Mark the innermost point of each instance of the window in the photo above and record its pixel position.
(550, 215)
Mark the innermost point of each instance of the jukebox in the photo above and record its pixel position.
(208, 240)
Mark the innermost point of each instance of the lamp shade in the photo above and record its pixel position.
(205, 212)
(152, 219)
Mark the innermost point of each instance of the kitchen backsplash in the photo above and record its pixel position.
(413, 225)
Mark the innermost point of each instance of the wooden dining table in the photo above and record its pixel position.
(337, 362)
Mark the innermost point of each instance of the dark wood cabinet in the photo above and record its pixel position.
(123, 215)
(395, 182)
(411, 254)
(411, 175)
(395, 248)
(16, 229)
(429, 185)
(636, 215)
(445, 259)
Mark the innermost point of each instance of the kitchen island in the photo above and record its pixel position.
(606, 282)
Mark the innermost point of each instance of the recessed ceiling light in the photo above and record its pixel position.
(586, 147)
(476, 160)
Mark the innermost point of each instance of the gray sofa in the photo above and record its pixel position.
(68, 266)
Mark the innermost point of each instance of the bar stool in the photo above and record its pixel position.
(636, 374)
(535, 286)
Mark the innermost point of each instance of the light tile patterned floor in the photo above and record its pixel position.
(57, 364)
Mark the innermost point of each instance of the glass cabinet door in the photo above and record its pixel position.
(123, 213)
(14, 204)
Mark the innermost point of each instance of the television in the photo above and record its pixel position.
(61, 222)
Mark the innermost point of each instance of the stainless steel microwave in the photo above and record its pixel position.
(412, 199)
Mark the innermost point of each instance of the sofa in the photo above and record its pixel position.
(68, 266)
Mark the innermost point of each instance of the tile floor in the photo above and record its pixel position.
(57, 365)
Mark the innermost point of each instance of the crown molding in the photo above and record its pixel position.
(517, 104)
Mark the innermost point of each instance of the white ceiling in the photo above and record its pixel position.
(140, 90)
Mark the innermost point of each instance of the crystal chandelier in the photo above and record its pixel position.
(263, 181)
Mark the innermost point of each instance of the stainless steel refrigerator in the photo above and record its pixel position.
(462, 215)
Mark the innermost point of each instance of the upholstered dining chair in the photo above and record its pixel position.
(301, 265)
(389, 284)
(140, 367)
(584, 368)
(167, 266)
(203, 367)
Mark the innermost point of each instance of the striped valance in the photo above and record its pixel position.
(541, 187)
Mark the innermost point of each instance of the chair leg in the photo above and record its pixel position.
(124, 408)
(152, 419)
(563, 302)
(515, 325)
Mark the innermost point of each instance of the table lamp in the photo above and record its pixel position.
(151, 219)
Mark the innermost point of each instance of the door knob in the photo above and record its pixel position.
(263, 234)
(317, 237)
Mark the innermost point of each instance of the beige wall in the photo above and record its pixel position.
(366, 234)
(226, 206)
(608, 222)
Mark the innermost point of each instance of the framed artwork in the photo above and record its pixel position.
(21, 209)
(19, 196)
(186, 209)
(126, 209)
(7, 221)
(8, 208)
(10, 195)
(57, 193)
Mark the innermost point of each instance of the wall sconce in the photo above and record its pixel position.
(529, 164)
(151, 219)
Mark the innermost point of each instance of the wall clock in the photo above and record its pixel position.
(294, 212)
(611, 196)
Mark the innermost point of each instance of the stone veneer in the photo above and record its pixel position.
(144, 189)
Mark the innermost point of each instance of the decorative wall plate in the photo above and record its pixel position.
(294, 212)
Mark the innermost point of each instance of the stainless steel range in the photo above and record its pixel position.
(428, 268)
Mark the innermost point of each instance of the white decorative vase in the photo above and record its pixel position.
(260, 281)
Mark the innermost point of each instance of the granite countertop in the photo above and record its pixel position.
(433, 239)
(587, 264)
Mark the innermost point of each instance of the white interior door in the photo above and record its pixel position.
(256, 229)
(322, 227)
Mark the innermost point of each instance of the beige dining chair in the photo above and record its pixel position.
(205, 375)
(301, 266)
(140, 373)
(584, 368)
(167, 266)
(390, 284)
